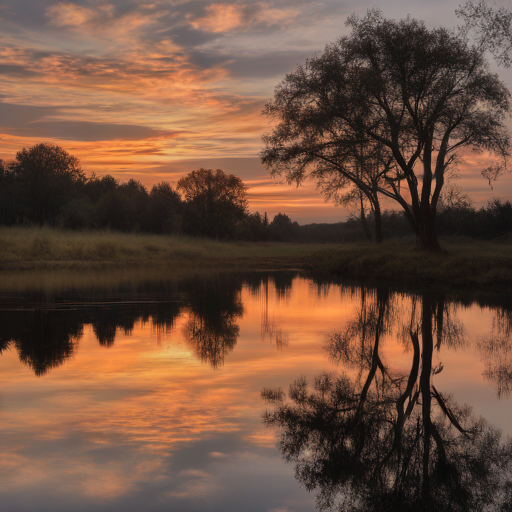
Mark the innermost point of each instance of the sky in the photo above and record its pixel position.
(152, 90)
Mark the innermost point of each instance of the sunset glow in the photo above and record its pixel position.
(153, 90)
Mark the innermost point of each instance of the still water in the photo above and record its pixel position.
(255, 392)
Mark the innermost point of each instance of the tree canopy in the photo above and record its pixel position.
(49, 175)
(218, 201)
(396, 89)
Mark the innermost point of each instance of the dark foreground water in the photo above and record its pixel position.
(260, 392)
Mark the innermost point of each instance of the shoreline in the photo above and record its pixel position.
(465, 263)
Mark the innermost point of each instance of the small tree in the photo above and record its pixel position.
(282, 228)
(414, 95)
(216, 202)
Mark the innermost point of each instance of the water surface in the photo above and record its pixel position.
(145, 393)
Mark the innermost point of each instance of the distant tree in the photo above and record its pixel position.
(165, 207)
(11, 208)
(216, 202)
(46, 177)
(254, 227)
(97, 187)
(398, 88)
(282, 228)
(114, 211)
(138, 199)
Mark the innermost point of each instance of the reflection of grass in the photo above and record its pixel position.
(463, 262)
(46, 247)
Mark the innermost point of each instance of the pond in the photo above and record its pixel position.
(257, 392)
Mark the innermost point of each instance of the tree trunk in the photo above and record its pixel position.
(364, 222)
(426, 234)
(378, 222)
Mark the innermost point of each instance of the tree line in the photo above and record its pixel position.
(44, 185)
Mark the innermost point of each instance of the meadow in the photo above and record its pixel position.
(464, 261)
(43, 247)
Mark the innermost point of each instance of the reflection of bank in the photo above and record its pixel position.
(46, 336)
(388, 442)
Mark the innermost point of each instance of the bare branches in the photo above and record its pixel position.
(492, 27)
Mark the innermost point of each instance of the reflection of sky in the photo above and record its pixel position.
(144, 425)
(153, 90)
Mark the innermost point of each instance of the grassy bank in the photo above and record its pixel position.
(49, 248)
(463, 262)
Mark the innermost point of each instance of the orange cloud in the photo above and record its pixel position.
(221, 18)
(69, 14)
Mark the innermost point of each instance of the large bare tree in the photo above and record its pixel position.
(413, 95)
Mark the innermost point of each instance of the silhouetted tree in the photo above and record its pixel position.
(282, 228)
(414, 94)
(253, 227)
(46, 177)
(492, 27)
(165, 209)
(216, 202)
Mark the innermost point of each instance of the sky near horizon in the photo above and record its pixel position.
(152, 90)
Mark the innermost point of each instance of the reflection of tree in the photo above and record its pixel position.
(269, 329)
(43, 339)
(214, 307)
(497, 353)
(283, 283)
(393, 445)
(358, 345)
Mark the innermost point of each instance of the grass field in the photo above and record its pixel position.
(45, 247)
(464, 261)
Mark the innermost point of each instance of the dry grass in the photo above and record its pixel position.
(74, 257)
(463, 262)
(45, 247)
